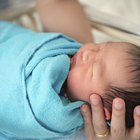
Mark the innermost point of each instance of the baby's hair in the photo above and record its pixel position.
(131, 95)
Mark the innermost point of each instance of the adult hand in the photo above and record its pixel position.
(95, 123)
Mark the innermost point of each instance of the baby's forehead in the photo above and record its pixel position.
(116, 44)
(127, 49)
(115, 48)
(117, 61)
(123, 64)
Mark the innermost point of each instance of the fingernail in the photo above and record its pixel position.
(138, 111)
(83, 108)
(94, 100)
(117, 104)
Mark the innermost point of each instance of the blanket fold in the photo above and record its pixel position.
(33, 68)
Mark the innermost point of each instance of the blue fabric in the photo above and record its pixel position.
(33, 68)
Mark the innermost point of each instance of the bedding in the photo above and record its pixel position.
(34, 67)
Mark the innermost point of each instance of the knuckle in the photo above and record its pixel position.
(117, 131)
(87, 124)
(137, 134)
(87, 121)
(100, 127)
(118, 113)
(95, 109)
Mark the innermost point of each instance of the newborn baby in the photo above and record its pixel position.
(109, 70)
(34, 66)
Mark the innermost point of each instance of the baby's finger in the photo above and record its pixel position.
(118, 119)
(86, 112)
(98, 116)
(135, 132)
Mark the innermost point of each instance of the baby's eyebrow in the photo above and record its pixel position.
(109, 42)
(103, 45)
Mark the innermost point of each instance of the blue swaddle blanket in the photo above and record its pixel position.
(33, 68)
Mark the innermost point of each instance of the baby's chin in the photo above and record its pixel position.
(70, 96)
(73, 98)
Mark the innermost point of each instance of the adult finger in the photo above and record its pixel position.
(118, 119)
(86, 112)
(135, 132)
(98, 116)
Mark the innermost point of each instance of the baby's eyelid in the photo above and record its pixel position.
(92, 70)
(96, 67)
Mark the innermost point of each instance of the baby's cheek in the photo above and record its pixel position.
(85, 97)
(77, 96)
(73, 79)
(76, 85)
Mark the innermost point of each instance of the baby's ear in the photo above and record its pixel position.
(107, 114)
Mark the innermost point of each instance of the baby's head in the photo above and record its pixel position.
(110, 70)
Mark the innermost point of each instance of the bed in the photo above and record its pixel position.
(105, 25)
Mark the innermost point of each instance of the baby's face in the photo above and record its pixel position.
(96, 66)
